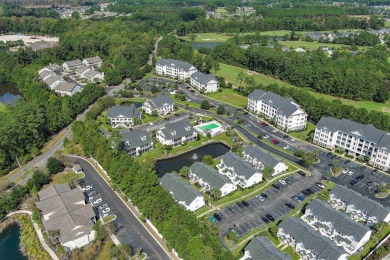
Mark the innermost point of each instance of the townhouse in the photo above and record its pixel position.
(163, 104)
(261, 248)
(137, 142)
(64, 210)
(208, 178)
(71, 65)
(239, 171)
(204, 83)
(308, 243)
(53, 81)
(337, 226)
(90, 74)
(177, 133)
(174, 68)
(259, 159)
(359, 208)
(95, 62)
(53, 67)
(182, 191)
(286, 114)
(124, 116)
(357, 139)
(67, 89)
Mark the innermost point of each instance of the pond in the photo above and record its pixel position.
(208, 45)
(9, 243)
(9, 93)
(188, 158)
(128, 103)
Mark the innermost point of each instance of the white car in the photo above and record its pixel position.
(283, 182)
(345, 171)
(88, 187)
(274, 130)
(106, 210)
(350, 173)
(266, 136)
(261, 198)
(292, 140)
(321, 185)
(286, 147)
(97, 201)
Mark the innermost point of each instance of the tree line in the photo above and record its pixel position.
(191, 238)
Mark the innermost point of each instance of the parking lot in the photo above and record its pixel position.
(243, 219)
(121, 233)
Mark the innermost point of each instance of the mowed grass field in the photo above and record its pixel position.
(229, 96)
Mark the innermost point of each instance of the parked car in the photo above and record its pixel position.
(262, 123)
(276, 186)
(321, 185)
(265, 220)
(350, 173)
(289, 205)
(264, 195)
(286, 147)
(106, 210)
(304, 192)
(374, 172)
(270, 217)
(88, 187)
(371, 188)
(298, 197)
(239, 204)
(285, 136)
(261, 198)
(245, 203)
(91, 193)
(301, 173)
(217, 216)
(309, 191)
(357, 180)
(214, 220)
(345, 171)
(275, 141)
(266, 136)
(103, 206)
(347, 161)
(283, 182)
(232, 210)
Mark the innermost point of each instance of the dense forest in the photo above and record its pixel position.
(191, 238)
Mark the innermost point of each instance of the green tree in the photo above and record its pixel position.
(191, 36)
(154, 113)
(54, 165)
(208, 159)
(221, 109)
(76, 15)
(240, 78)
(382, 251)
(215, 194)
(205, 104)
(267, 172)
(184, 171)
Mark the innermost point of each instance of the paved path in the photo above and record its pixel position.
(39, 233)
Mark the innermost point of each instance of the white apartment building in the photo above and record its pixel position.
(239, 171)
(337, 226)
(163, 104)
(90, 74)
(259, 159)
(71, 65)
(124, 116)
(357, 139)
(208, 178)
(177, 133)
(204, 83)
(93, 61)
(286, 114)
(308, 243)
(174, 68)
(182, 191)
(359, 208)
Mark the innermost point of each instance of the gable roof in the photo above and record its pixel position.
(73, 63)
(351, 197)
(181, 190)
(52, 79)
(123, 111)
(340, 221)
(82, 69)
(209, 175)
(177, 130)
(159, 101)
(92, 60)
(368, 132)
(241, 167)
(321, 246)
(175, 63)
(66, 86)
(261, 248)
(261, 156)
(203, 78)
(43, 74)
(53, 190)
(53, 67)
(90, 74)
(286, 106)
(136, 138)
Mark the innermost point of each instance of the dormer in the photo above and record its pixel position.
(188, 128)
(143, 138)
(173, 133)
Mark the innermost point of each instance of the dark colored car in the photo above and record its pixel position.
(289, 205)
(265, 220)
(263, 123)
(305, 193)
(309, 191)
(217, 216)
(302, 173)
(357, 180)
(270, 217)
(239, 204)
(347, 161)
(245, 203)
(285, 136)
(264, 195)
(323, 178)
(275, 141)
(329, 154)
(276, 186)
(232, 210)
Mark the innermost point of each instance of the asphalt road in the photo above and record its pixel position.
(124, 215)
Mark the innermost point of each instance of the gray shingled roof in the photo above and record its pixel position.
(240, 166)
(53, 67)
(136, 138)
(177, 130)
(340, 221)
(261, 248)
(91, 73)
(160, 101)
(203, 78)
(261, 156)
(53, 190)
(351, 197)
(123, 111)
(181, 190)
(66, 86)
(45, 73)
(176, 63)
(368, 132)
(286, 106)
(96, 59)
(209, 175)
(73, 63)
(82, 69)
(51, 79)
(321, 246)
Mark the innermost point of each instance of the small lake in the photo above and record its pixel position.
(9, 93)
(128, 103)
(188, 158)
(9, 243)
(208, 45)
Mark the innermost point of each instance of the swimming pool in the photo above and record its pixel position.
(213, 127)
(209, 126)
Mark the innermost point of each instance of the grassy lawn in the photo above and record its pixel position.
(2, 107)
(302, 135)
(309, 45)
(109, 218)
(230, 73)
(387, 24)
(289, 250)
(66, 177)
(105, 252)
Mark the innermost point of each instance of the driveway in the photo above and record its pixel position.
(133, 231)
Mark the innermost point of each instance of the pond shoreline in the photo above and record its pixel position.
(9, 221)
